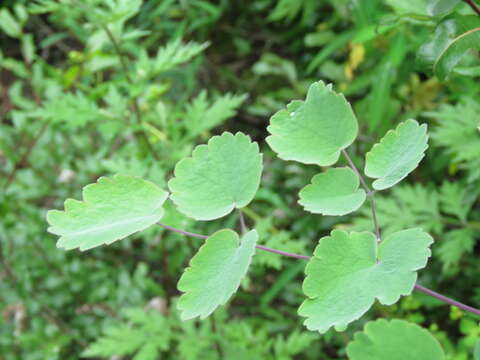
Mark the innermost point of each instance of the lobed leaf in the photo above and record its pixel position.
(111, 210)
(349, 270)
(215, 272)
(397, 154)
(394, 340)
(334, 192)
(220, 176)
(313, 131)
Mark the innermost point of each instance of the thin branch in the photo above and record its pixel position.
(473, 5)
(447, 300)
(242, 221)
(423, 289)
(264, 248)
(369, 192)
(136, 107)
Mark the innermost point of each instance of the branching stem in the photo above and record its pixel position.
(370, 194)
(418, 287)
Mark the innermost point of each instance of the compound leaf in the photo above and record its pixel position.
(313, 131)
(397, 154)
(349, 270)
(112, 209)
(394, 340)
(334, 192)
(215, 272)
(220, 176)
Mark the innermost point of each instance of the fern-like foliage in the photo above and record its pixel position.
(146, 335)
(203, 114)
(173, 54)
(457, 130)
(406, 205)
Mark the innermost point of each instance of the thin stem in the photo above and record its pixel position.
(136, 107)
(186, 233)
(264, 248)
(423, 289)
(369, 192)
(242, 221)
(447, 300)
(473, 5)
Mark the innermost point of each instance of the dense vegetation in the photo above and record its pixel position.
(96, 88)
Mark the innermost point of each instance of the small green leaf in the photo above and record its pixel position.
(111, 210)
(394, 340)
(334, 192)
(314, 131)
(349, 270)
(9, 24)
(220, 176)
(397, 154)
(215, 273)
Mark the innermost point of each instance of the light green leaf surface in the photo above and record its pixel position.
(394, 340)
(220, 176)
(215, 272)
(334, 192)
(313, 131)
(397, 154)
(349, 270)
(112, 209)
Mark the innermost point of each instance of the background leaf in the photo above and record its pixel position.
(394, 340)
(334, 192)
(349, 270)
(220, 176)
(111, 210)
(397, 154)
(313, 131)
(215, 272)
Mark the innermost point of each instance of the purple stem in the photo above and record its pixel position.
(447, 300)
(425, 290)
(264, 248)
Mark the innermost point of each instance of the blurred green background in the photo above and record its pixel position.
(92, 88)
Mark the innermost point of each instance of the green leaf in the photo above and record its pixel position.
(111, 210)
(215, 272)
(457, 131)
(203, 115)
(441, 7)
(9, 25)
(454, 51)
(394, 340)
(454, 246)
(334, 192)
(349, 270)
(397, 154)
(146, 334)
(451, 40)
(220, 176)
(409, 7)
(476, 350)
(314, 131)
